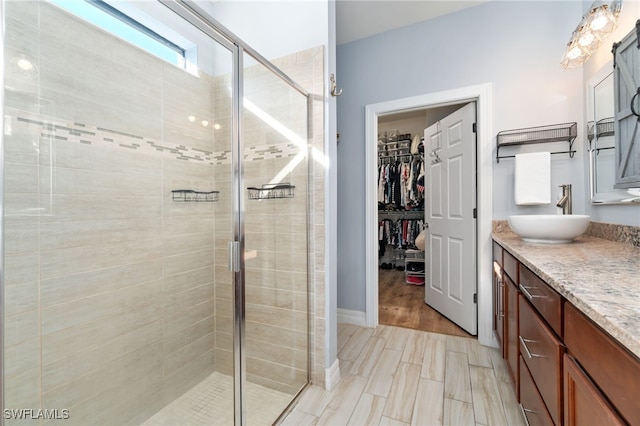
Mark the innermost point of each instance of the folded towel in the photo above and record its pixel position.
(533, 178)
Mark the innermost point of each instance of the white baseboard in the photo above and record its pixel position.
(332, 375)
(352, 317)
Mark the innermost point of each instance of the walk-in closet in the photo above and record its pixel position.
(401, 222)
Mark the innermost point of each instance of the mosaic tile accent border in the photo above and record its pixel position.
(94, 135)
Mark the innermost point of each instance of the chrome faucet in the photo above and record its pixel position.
(565, 201)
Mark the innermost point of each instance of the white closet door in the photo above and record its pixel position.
(450, 197)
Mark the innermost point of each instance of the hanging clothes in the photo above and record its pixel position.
(382, 181)
(400, 234)
(397, 190)
(398, 185)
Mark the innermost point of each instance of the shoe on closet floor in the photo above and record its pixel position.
(415, 280)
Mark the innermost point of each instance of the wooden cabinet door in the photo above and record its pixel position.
(584, 405)
(512, 343)
(611, 367)
(498, 296)
(498, 309)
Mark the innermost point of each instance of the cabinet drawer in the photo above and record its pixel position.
(609, 365)
(531, 403)
(584, 405)
(542, 353)
(544, 298)
(497, 253)
(510, 266)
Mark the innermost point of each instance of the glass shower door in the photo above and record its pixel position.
(128, 170)
(117, 214)
(275, 176)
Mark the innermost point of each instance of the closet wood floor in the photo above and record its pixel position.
(403, 305)
(397, 376)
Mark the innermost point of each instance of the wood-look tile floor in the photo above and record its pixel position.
(397, 376)
(402, 305)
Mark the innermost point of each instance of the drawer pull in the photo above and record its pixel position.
(500, 298)
(526, 348)
(530, 296)
(524, 413)
(497, 269)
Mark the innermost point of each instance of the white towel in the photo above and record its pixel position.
(533, 179)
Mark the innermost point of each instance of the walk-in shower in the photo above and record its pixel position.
(143, 282)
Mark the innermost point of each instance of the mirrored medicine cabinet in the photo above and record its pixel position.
(602, 141)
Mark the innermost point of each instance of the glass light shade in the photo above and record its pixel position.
(588, 39)
(592, 29)
(601, 20)
(575, 54)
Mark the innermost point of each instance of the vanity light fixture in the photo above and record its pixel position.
(594, 26)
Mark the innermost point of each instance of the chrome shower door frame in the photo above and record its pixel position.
(194, 14)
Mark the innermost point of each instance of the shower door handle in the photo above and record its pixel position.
(234, 256)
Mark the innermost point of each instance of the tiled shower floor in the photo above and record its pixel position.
(210, 402)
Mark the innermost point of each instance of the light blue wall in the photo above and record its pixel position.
(515, 45)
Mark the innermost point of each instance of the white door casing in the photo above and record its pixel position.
(482, 94)
(450, 200)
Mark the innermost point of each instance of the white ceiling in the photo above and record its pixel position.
(357, 19)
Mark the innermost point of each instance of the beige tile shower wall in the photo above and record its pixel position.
(307, 68)
(276, 350)
(284, 244)
(109, 284)
(189, 287)
(276, 282)
(274, 126)
(224, 226)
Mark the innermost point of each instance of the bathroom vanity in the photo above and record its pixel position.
(567, 317)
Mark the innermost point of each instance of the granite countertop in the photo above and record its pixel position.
(599, 277)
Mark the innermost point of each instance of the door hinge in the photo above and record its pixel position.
(475, 213)
(475, 127)
(475, 298)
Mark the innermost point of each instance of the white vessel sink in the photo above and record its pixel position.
(548, 228)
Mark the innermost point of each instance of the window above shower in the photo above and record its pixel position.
(133, 25)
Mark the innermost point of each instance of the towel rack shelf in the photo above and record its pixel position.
(189, 195)
(600, 129)
(564, 132)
